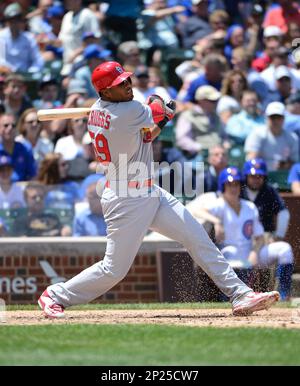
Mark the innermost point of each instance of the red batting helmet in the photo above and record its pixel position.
(108, 74)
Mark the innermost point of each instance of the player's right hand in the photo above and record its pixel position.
(170, 109)
(162, 111)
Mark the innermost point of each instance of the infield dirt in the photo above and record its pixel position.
(275, 317)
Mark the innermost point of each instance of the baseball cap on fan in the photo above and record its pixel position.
(55, 11)
(257, 9)
(207, 92)
(282, 72)
(95, 51)
(272, 31)
(12, 10)
(275, 108)
(196, 2)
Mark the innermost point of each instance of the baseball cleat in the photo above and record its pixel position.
(254, 301)
(50, 308)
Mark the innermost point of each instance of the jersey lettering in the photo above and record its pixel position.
(107, 122)
(99, 118)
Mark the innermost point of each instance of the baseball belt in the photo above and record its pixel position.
(136, 184)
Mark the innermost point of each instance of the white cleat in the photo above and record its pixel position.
(254, 301)
(50, 308)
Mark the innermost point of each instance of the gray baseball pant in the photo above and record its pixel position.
(128, 220)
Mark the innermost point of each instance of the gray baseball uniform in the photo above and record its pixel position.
(130, 210)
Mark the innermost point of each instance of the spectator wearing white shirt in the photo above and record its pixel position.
(37, 19)
(280, 58)
(71, 146)
(11, 194)
(75, 22)
(21, 51)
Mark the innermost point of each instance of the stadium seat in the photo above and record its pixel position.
(8, 217)
(168, 135)
(278, 179)
(65, 215)
(171, 58)
(236, 156)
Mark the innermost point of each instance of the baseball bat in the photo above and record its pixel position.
(52, 114)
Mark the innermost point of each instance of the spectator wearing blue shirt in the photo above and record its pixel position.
(120, 19)
(22, 158)
(294, 179)
(20, 48)
(196, 26)
(214, 69)
(240, 125)
(93, 55)
(62, 192)
(53, 18)
(90, 221)
(233, 8)
(234, 38)
(292, 114)
(92, 178)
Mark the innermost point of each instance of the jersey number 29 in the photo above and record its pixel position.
(101, 145)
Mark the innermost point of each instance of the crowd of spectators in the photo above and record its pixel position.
(232, 67)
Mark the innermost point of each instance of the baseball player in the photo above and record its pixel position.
(122, 130)
(273, 215)
(241, 235)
